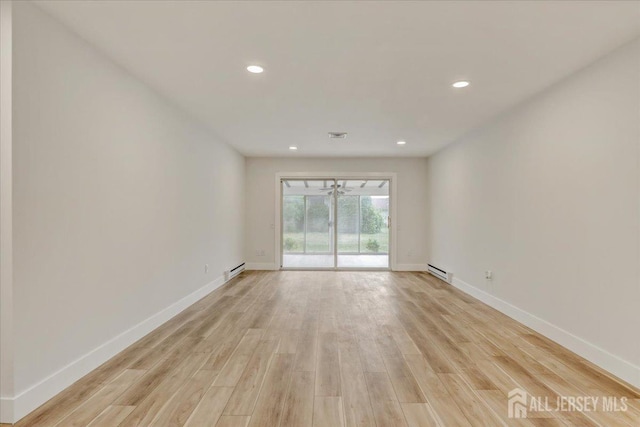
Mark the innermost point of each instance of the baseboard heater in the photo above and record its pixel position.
(230, 274)
(439, 273)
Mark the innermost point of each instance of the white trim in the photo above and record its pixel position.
(411, 267)
(393, 206)
(260, 266)
(29, 399)
(621, 368)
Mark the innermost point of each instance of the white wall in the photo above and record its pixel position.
(6, 226)
(120, 200)
(547, 196)
(411, 202)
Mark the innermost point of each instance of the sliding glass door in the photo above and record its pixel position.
(335, 223)
(363, 224)
(307, 224)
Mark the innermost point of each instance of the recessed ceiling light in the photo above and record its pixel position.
(255, 69)
(293, 147)
(461, 83)
(401, 142)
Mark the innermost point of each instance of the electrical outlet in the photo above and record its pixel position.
(488, 275)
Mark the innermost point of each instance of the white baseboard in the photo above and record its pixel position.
(410, 267)
(13, 409)
(261, 266)
(607, 361)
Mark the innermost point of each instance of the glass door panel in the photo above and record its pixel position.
(307, 224)
(363, 224)
(335, 223)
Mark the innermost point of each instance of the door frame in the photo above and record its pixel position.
(393, 211)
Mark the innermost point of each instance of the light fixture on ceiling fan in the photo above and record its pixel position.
(330, 189)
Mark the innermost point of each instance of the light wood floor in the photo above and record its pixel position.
(334, 349)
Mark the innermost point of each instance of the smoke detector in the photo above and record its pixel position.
(337, 135)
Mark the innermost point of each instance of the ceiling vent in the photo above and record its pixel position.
(337, 135)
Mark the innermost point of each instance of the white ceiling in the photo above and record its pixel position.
(381, 71)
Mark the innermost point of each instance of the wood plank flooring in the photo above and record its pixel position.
(335, 349)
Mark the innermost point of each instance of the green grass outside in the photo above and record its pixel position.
(320, 242)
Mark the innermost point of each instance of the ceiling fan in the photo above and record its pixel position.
(330, 189)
